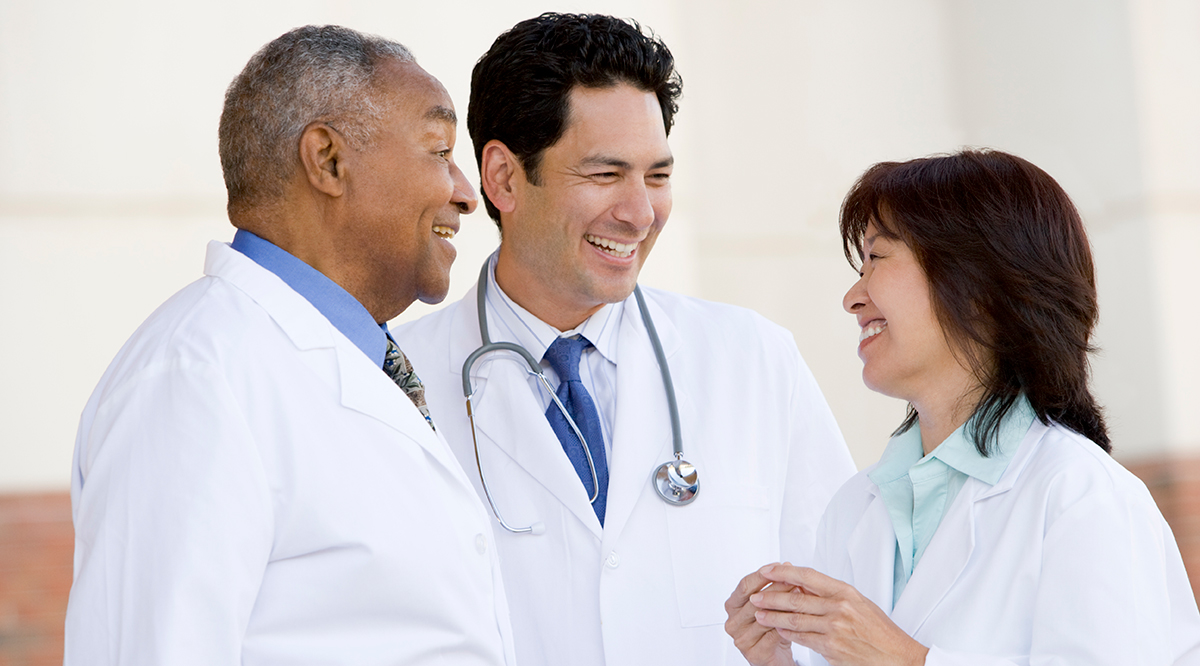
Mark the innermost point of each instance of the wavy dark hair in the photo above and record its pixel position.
(1011, 275)
(520, 88)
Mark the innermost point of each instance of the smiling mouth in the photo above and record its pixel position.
(871, 331)
(614, 248)
(444, 232)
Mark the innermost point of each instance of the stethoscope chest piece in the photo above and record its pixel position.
(677, 482)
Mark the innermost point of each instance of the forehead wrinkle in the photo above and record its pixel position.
(442, 114)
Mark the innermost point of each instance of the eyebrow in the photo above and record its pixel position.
(442, 113)
(603, 160)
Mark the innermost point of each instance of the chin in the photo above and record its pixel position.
(433, 298)
(613, 290)
(872, 382)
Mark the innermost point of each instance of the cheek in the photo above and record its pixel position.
(661, 201)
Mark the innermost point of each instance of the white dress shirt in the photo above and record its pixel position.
(509, 322)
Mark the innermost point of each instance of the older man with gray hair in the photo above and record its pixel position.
(257, 479)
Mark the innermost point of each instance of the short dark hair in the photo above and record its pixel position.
(308, 74)
(520, 88)
(1010, 270)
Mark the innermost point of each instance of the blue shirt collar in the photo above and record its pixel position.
(339, 307)
(958, 451)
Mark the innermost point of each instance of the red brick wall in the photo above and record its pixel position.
(36, 541)
(1175, 485)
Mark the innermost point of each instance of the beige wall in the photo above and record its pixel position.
(110, 184)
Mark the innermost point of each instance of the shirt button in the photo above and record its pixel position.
(613, 560)
(480, 544)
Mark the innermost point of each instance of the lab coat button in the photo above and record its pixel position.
(613, 560)
(480, 544)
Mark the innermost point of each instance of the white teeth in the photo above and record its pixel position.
(612, 247)
(871, 331)
(444, 232)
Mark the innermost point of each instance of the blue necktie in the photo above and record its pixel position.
(564, 356)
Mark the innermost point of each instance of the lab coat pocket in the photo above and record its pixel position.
(715, 542)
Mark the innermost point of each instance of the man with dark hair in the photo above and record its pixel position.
(613, 558)
(257, 479)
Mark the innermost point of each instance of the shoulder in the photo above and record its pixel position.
(199, 321)
(211, 327)
(1068, 469)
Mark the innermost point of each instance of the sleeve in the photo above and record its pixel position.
(1109, 570)
(818, 464)
(173, 523)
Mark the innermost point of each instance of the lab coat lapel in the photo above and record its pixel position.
(943, 561)
(642, 425)
(951, 547)
(508, 418)
(872, 549)
(362, 386)
(368, 390)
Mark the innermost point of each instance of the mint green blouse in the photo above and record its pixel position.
(918, 489)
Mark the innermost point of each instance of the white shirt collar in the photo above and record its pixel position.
(509, 322)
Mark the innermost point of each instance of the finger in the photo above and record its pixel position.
(750, 636)
(796, 601)
(809, 639)
(755, 641)
(747, 586)
(740, 616)
(811, 580)
(790, 621)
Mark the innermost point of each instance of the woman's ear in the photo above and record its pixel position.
(500, 174)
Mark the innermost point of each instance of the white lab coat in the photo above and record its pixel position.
(249, 488)
(1065, 561)
(650, 586)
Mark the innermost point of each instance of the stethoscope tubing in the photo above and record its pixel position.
(535, 369)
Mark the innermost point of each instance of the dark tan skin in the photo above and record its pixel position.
(365, 217)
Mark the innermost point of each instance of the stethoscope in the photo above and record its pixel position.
(675, 480)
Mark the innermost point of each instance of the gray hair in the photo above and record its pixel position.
(310, 74)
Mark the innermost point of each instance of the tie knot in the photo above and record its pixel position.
(564, 355)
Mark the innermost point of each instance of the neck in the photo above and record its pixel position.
(940, 416)
(305, 236)
(537, 299)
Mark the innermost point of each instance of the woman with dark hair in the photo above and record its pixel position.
(995, 529)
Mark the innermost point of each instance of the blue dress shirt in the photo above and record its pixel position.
(339, 307)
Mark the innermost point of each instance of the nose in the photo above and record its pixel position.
(637, 204)
(856, 298)
(464, 195)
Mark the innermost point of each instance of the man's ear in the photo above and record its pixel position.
(321, 151)
(499, 173)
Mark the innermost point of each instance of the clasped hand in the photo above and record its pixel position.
(780, 604)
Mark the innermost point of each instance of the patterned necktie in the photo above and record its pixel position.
(396, 365)
(564, 357)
